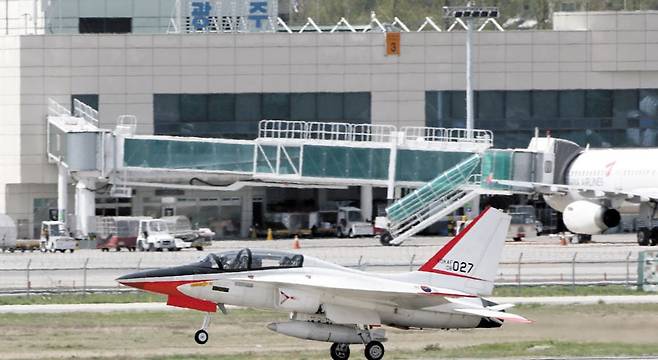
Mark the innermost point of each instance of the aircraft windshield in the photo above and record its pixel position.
(247, 259)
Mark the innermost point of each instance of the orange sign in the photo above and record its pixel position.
(393, 43)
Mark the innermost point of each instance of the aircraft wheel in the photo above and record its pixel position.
(654, 236)
(339, 351)
(374, 350)
(201, 337)
(385, 238)
(584, 238)
(643, 237)
(199, 248)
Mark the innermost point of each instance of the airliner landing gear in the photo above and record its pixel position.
(201, 336)
(339, 351)
(583, 238)
(374, 350)
(646, 237)
(643, 235)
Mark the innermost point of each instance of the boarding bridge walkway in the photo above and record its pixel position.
(285, 152)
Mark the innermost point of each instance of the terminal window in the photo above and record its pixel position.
(88, 99)
(99, 25)
(237, 115)
(600, 118)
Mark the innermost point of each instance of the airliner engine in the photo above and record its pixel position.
(584, 217)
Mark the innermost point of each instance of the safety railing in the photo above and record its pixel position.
(55, 109)
(420, 133)
(427, 195)
(85, 111)
(327, 131)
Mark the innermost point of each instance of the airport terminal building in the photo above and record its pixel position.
(592, 79)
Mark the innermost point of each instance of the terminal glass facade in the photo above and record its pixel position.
(601, 118)
(237, 115)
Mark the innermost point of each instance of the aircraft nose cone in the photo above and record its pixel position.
(272, 327)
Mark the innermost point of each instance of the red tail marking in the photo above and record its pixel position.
(431, 263)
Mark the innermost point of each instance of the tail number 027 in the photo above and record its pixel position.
(462, 266)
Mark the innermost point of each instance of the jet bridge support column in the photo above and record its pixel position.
(62, 192)
(392, 164)
(246, 212)
(85, 204)
(366, 202)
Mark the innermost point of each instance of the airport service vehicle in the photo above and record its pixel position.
(523, 224)
(28, 244)
(55, 237)
(350, 223)
(331, 303)
(296, 223)
(117, 232)
(154, 235)
(185, 237)
(323, 223)
(278, 229)
(7, 233)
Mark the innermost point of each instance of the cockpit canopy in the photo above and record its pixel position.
(247, 259)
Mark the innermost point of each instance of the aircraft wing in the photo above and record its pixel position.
(370, 289)
(639, 195)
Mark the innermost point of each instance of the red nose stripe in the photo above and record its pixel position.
(175, 297)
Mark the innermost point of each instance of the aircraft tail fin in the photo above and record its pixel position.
(469, 261)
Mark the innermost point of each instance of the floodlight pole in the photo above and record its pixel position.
(469, 77)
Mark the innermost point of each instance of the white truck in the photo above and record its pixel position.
(154, 236)
(350, 223)
(55, 237)
(185, 237)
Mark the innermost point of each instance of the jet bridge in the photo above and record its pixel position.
(285, 154)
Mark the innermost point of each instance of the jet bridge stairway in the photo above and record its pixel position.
(434, 200)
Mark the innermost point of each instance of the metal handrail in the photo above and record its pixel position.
(327, 131)
(55, 109)
(85, 111)
(432, 134)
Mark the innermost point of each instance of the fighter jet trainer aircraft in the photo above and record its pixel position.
(343, 306)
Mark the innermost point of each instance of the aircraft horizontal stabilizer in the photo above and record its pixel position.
(500, 307)
(495, 314)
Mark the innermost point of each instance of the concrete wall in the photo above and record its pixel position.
(10, 117)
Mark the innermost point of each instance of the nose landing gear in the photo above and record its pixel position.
(201, 336)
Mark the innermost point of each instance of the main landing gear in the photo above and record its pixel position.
(646, 236)
(201, 336)
(374, 351)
